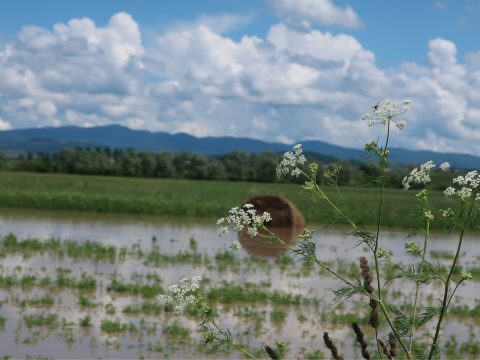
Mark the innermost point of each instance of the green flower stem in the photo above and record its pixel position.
(447, 282)
(379, 222)
(319, 192)
(380, 210)
(234, 344)
(339, 211)
(453, 293)
(425, 243)
(340, 277)
(322, 265)
(387, 317)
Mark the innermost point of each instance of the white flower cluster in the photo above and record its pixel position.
(466, 275)
(384, 254)
(387, 111)
(445, 166)
(428, 215)
(419, 175)
(291, 161)
(235, 245)
(468, 186)
(182, 294)
(241, 218)
(412, 248)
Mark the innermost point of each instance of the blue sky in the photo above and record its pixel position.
(277, 70)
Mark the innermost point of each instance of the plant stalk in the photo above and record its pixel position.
(414, 312)
(387, 317)
(447, 283)
(234, 344)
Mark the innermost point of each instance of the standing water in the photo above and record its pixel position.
(86, 288)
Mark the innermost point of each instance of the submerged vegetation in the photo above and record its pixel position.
(79, 297)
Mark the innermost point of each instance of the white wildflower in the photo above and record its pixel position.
(447, 212)
(190, 299)
(182, 294)
(445, 166)
(449, 191)
(412, 248)
(386, 112)
(419, 175)
(291, 161)
(466, 275)
(422, 194)
(222, 230)
(235, 245)
(384, 254)
(460, 180)
(464, 193)
(465, 187)
(163, 299)
(401, 124)
(428, 215)
(243, 218)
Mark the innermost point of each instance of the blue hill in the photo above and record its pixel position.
(54, 139)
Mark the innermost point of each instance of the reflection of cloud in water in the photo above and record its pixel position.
(259, 246)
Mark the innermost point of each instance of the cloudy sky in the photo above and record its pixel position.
(276, 70)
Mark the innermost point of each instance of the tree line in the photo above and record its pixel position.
(234, 166)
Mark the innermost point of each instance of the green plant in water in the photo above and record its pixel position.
(402, 324)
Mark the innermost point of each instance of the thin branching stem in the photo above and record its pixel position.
(322, 265)
(387, 317)
(453, 293)
(233, 343)
(379, 222)
(447, 282)
(380, 209)
(321, 194)
(340, 277)
(422, 264)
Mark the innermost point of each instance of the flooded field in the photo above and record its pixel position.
(76, 285)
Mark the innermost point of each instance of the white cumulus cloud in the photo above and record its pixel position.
(293, 84)
(321, 12)
(4, 125)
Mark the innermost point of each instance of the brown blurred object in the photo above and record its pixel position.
(287, 223)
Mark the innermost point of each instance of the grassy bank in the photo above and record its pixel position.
(196, 198)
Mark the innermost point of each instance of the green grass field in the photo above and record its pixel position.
(210, 199)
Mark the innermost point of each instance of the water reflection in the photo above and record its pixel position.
(259, 246)
(173, 236)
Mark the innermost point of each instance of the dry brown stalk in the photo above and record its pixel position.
(331, 347)
(361, 340)
(367, 283)
(385, 349)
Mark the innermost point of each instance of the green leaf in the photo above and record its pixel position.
(429, 313)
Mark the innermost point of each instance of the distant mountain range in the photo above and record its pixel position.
(54, 139)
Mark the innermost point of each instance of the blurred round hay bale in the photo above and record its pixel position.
(284, 213)
(287, 223)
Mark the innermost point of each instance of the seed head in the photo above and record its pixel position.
(392, 340)
(385, 349)
(329, 344)
(361, 340)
